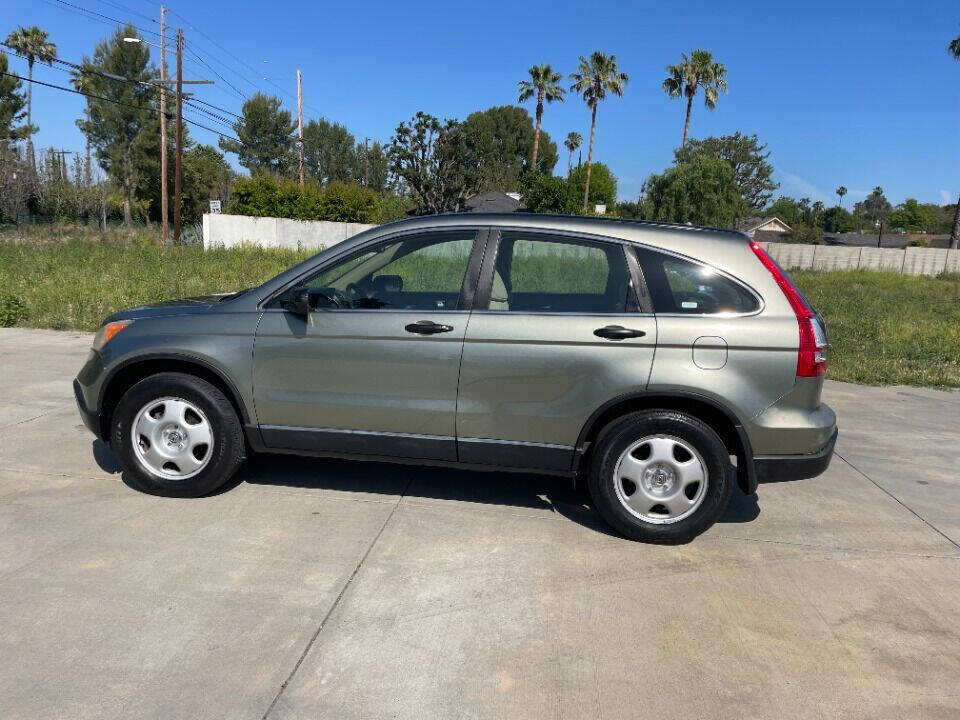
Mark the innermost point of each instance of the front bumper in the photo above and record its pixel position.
(780, 468)
(91, 418)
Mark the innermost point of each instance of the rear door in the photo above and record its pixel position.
(557, 330)
(373, 368)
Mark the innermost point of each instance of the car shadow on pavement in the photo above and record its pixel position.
(522, 490)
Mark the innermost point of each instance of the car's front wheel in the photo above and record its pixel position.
(177, 435)
(660, 476)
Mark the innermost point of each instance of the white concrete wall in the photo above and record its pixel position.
(230, 230)
(909, 261)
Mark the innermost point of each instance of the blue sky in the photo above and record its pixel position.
(853, 93)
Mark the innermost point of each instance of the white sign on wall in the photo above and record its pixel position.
(215, 207)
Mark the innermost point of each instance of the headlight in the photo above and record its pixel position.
(108, 331)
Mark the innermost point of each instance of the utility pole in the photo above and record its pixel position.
(164, 201)
(366, 162)
(300, 120)
(178, 164)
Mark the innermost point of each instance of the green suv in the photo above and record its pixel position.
(659, 364)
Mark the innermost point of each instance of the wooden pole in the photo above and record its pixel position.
(300, 121)
(366, 162)
(178, 163)
(164, 200)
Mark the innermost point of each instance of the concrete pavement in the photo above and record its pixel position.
(319, 588)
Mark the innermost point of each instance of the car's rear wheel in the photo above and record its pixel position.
(660, 476)
(177, 435)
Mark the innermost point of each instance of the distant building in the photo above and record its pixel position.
(764, 229)
(494, 202)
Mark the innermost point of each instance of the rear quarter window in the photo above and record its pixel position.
(684, 287)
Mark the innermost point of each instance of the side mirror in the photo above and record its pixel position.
(297, 301)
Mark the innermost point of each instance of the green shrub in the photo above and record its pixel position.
(265, 196)
(12, 310)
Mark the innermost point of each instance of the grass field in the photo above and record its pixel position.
(883, 328)
(888, 329)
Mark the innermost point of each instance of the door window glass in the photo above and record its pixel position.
(681, 286)
(543, 273)
(422, 272)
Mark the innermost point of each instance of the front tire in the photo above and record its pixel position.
(177, 436)
(660, 476)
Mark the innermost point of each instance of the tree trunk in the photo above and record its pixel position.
(31, 162)
(955, 235)
(593, 131)
(570, 163)
(127, 192)
(686, 124)
(536, 133)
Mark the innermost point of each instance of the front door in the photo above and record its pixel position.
(557, 331)
(373, 368)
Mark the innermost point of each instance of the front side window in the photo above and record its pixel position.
(680, 286)
(420, 272)
(543, 273)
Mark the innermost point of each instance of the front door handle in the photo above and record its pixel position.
(618, 332)
(427, 327)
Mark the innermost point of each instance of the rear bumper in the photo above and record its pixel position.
(780, 468)
(90, 418)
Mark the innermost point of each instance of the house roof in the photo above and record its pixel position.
(751, 224)
(494, 201)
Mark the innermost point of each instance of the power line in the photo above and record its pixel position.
(118, 6)
(221, 77)
(118, 102)
(87, 12)
(242, 62)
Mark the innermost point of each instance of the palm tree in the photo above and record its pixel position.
(573, 141)
(545, 84)
(693, 72)
(32, 43)
(841, 191)
(593, 80)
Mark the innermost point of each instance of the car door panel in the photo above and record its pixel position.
(358, 371)
(529, 381)
(360, 380)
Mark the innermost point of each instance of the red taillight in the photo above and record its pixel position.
(811, 355)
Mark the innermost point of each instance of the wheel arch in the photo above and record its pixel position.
(718, 416)
(129, 373)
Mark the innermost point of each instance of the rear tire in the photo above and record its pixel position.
(660, 476)
(177, 436)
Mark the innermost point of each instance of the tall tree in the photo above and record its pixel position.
(703, 192)
(264, 133)
(689, 75)
(603, 184)
(593, 79)
(954, 49)
(876, 207)
(500, 140)
(746, 155)
(12, 104)
(374, 166)
(435, 162)
(841, 191)
(330, 152)
(573, 141)
(33, 44)
(544, 84)
(115, 123)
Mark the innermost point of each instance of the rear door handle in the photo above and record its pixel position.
(427, 327)
(618, 332)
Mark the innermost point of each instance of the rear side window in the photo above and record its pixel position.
(680, 286)
(549, 273)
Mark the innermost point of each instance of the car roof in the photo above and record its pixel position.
(636, 230)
